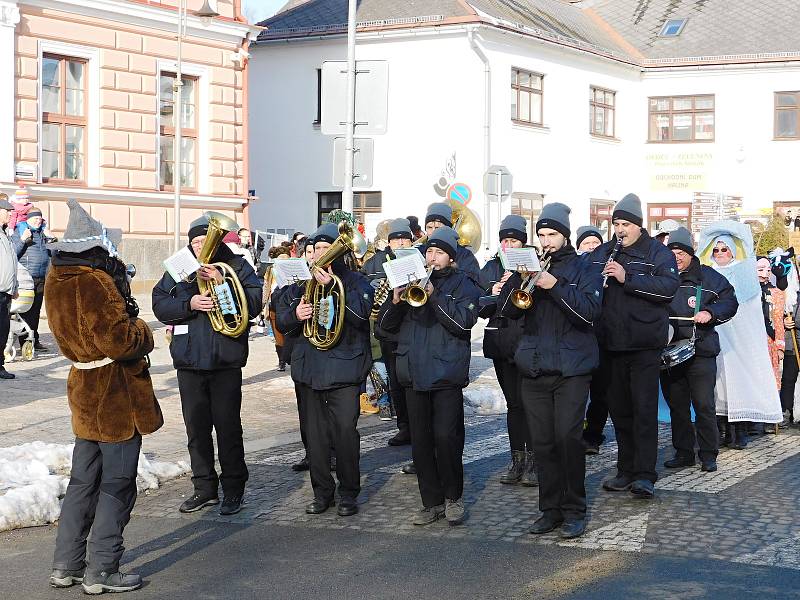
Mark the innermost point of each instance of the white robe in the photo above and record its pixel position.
(746, 388)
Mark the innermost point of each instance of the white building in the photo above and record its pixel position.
(692, 105)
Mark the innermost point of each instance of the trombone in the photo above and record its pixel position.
(523, 297)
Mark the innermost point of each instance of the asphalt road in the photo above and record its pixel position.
(206, 559)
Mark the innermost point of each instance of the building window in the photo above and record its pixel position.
(363, 203)
(672, 27)
(658, 213)
(600, 212)
(526, 97)
(64, 121)
(787, 115)
(318, 120)
(682, 119)
(188, 132)
(529, 207)
(601, 112)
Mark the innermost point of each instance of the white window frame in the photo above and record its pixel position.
(91, 108)
(203, 184)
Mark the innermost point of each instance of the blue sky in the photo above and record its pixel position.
(258, 10)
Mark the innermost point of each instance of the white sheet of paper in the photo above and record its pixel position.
(180, 330)
(290, 270)
(403, 252)
(182, 264)
(401, 271)
(520, 259)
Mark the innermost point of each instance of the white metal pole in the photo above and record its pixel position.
(499, 199)
(177, 117)
(347, 193)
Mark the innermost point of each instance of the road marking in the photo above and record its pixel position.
(734, 466)
(784, 553)
(627, 535)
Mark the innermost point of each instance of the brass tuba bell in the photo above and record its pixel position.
(230, 315)
(324, 328)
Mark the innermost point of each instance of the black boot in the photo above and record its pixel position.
(529, 475)
(515, 469)
(725, 431)
(740, 438)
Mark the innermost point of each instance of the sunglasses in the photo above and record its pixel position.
(720, 250)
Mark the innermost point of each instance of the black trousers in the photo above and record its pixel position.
(302, 415)
(5, 324)
(633, 403)
(436, 421)
(331, 420)
(213, 400)
(555, 406)
(692, 384)
(788, 381)
(508, 376)
(100, 497)
(31, 316)
(597, 411)
(396, 391)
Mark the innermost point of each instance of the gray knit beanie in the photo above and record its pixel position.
(555, 216)
(514, 227)
(681, 239)
(439, 211)
(629, 209)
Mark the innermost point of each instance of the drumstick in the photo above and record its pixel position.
(683, 318)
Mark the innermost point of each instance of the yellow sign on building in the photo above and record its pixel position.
(678, 171)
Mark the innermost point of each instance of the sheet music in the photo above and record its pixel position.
(403, 252)
(181, 265)
(520, 259)
(403, 270)
(290, 270)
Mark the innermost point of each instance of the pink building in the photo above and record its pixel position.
(90, 86)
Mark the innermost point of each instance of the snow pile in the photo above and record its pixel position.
(34, 478)
(484, 400)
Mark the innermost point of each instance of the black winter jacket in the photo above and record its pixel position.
(557, 336)
(202, 348)
(717, 297)
(636, 313)
(33, 253)
(373, 268)
(433, 341)
(347, 363)
(501, 335)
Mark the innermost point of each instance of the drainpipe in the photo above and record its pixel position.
(487, 124)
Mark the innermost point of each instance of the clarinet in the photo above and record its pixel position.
(611, 258)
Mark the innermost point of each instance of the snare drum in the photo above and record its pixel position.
(677, 353)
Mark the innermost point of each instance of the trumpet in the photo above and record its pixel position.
(523, 297)
(415, 293)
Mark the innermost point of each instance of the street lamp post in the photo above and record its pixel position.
(206, 13)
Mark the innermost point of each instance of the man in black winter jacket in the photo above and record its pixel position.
(642, 279)
(30, 244)
(399, 236)
(433, 355)
(707, 299)
(209, 368)
(556, 356)
(328, 382)
(500, 339)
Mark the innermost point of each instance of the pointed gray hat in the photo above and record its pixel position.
(84, 233)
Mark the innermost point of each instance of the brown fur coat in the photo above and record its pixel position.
(87, 316)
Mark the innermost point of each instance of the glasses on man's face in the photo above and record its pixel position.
(720, 250)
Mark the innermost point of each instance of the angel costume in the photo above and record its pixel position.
(745, 389)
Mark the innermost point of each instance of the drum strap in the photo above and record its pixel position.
(697, 295)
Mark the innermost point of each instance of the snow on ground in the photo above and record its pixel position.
(34, 478)
(484, 400)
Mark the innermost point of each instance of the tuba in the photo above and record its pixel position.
(324, 328)
(230, 315)
(523, 297)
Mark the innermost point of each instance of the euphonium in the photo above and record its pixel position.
(523, 297)
(415, 293)
(324, 328)
(230, 315)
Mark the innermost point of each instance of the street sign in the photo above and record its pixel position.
(460, 192)
(363, 158)
(498, 181)
(372, 97)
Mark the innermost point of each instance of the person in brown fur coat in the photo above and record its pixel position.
(94, 320)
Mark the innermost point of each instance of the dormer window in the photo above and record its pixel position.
(672, 28)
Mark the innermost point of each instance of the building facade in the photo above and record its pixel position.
(580, 101)
(87, 98)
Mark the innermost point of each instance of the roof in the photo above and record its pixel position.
(622, 29)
